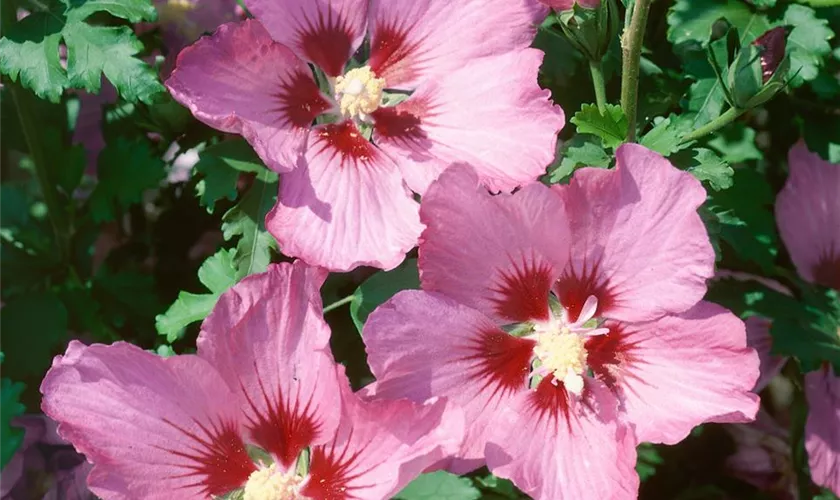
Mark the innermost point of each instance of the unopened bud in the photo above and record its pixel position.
(759, 70)
(772, 45)
(590, 25)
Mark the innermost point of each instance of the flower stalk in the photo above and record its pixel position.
(596, 68)
(729, 116)
(631, 48)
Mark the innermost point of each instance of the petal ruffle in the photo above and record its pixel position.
(822, 429)
(153, 428)
(638, 243)
(552, 447)
(345, 205)
(422, 345)
(808, 215)
(414, 41)
(268, 339)
(325, 32)
(489, 113)
(677, 372)
(241, 81)
(381, 446)
(498, 254)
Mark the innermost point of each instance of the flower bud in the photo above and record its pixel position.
(590, 25)
(759, 70)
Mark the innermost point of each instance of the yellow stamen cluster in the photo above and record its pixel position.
(563, 354)
(269, 484)
(359, 92)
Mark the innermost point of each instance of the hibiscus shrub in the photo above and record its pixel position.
(416, 249)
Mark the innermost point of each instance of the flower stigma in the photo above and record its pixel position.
(359, 93)
(561, 346)
(267, 483)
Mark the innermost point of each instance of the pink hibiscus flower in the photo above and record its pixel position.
(808, 216)
(446, 81)
(555, 316)
(177, 427)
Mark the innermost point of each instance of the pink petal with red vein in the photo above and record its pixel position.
(638, 243)
(381, 446)
(345, 205)
(489, 113)
(325, 32)
(268, 339)
(822, 429)
(808, 215)
(498, 254)
(154, 428)
(415, 41)
(679, 371)
(422, 345)
(553, 447)
(241, 81)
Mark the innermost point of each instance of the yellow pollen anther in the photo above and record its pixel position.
(563, 354)
(269, 484)
(359, 92)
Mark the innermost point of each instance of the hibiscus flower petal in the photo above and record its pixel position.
(241, 81)
(345, 205)
(758, 337)
(325, 32)
(638, 243)
(498, 254)
(489, 113)
(808, 215)
(381, 446)
(268, 339)
(153, 427)
(574, 448)
(413, 41)
(421, 345)
(822, 429)
(677, 372)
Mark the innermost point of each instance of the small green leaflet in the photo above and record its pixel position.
(610, 127)
(647, 459)
(126, 169)
(217, 274)
(583, 150)
(439, 486)
(381, 287)
(808, 42)
(707, 166)
(10, 407)
(220, 166)
(736, 143)
(246, 220)
(29, 51)
(692, 20)
(664, 137)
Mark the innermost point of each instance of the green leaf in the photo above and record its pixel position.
(502, 487)
(246, 220)
(807, 44)
(810, 332)
(745, 217)
(381, 287)
(707, 166)
(30, 50)
(664, 137)
(221, 164)
(439, 486)
(611, 127)
(647, 459)
(692, 20)
(10, 407)
(583, 150)
(126, 170)
(736, 143)
(217, 273)
(34, 326)
(66, 163)
(127, 297)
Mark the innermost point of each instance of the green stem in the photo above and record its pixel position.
(631, 45)
(30, 128)
(597, 71)
(721, 121)
(339, 303)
